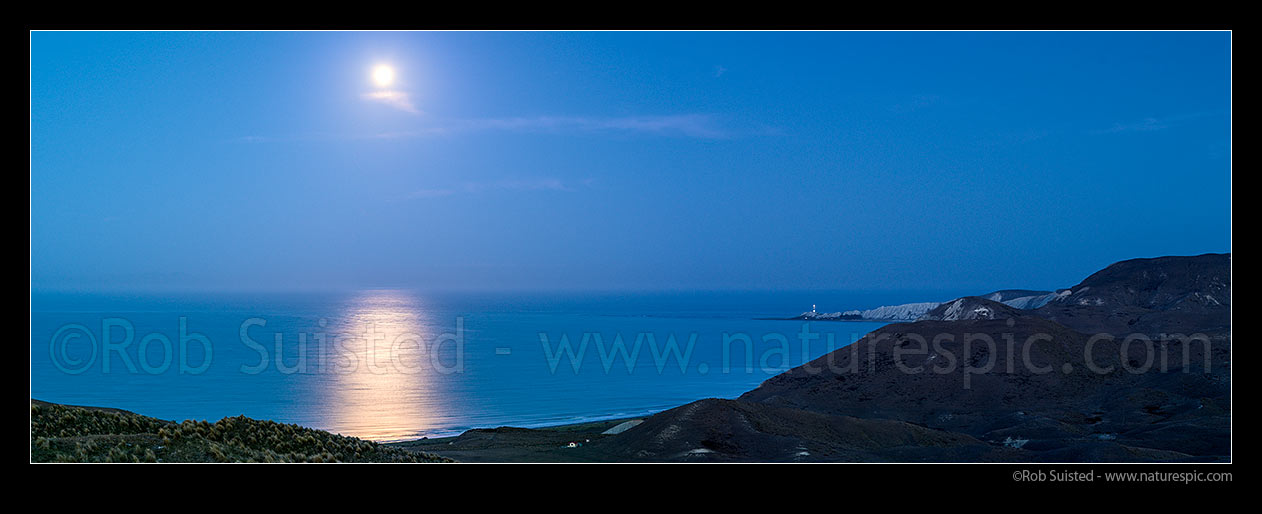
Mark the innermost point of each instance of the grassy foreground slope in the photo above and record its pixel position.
(62, 433)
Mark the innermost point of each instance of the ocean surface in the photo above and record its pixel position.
(392, 364)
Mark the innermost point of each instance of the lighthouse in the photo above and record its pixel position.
(812, 308)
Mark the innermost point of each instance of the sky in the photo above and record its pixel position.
(622, 160)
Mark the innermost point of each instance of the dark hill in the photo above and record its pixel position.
(714, 430)
(1004, 295)
(65, 433)
(1150, 296)
(1164, 283)
(1037, 382)
(970, 307)
(995, 383)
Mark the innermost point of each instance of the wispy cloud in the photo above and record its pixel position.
(429, 193)
(1015, 137)
(688, 125)
(536, 184)
(397, 99)
(1150, 124)
(1144, 125)
(694, 126)
(914, 103)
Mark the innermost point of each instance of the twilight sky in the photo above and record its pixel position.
(632, 160)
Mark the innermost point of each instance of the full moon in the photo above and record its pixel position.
(383, 75)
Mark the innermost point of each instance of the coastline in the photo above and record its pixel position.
(558, 443)
(108, 434)
(835, 320)
(546, 425)
(72, 433)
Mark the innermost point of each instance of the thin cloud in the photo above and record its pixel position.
(695, 126)
(429, 193)
(914, 103)
(1015, 137)
(1150, 124)
(688, 125)
(546, 184)
(397, 99)
(1144, 125)
(538, 184)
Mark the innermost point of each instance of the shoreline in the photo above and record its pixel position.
(546, 426)
(74, 433)
(571, 442)
(445, 435)
(861, 320)
(579, 426)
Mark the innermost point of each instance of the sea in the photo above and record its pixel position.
(397, 364)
